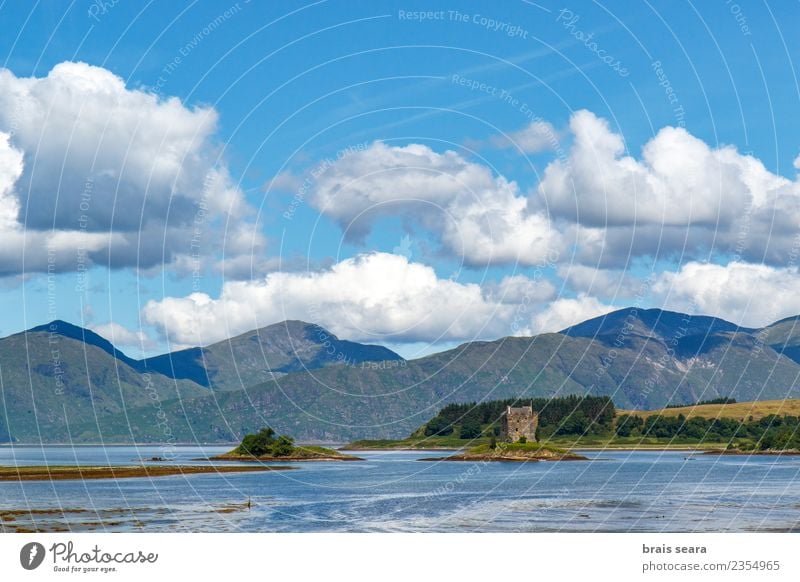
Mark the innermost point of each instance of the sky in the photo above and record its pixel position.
(415, 174)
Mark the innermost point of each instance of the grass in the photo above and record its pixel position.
(514, 447)
(514, 452)
(738, 411)
(299, 453)
(430, 442)
(643, 443)
(61, 473)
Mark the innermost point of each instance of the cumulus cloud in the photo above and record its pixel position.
(82, 156)
(679, 180)
(682, 196)
(370, 297)
(10, 171)
(478, 216)
(564, 312)
(748, 294)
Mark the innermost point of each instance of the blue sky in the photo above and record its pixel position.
(386, 243)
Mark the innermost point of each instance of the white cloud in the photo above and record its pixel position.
(124, 338)
(537, 136)
(373, 297)
(519, 289)
(681, 200)
(564, 312)
(11, 167)
(682, 196)
(747, 294)
(479, 217)
(679, 181)
(595, 281)
(98, 157)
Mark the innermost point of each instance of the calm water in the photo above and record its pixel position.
(394, 491)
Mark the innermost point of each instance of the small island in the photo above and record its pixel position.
(266, 446)
(514, 452)
(518, 428)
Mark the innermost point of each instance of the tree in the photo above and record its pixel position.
(438, 426)
(575, 423)
(257, 444)
(628, 424)
(283, 447)
(470, 429)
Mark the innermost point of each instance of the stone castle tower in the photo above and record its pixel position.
(519, 422)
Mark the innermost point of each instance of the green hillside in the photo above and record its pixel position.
(641, 359)
(52, 383)
(262, 354)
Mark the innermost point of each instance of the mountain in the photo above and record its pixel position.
(784, 337)
(652, 323)
(301, 380)
(61, 382)
(648, 369)
(258, 355)
(57, 376)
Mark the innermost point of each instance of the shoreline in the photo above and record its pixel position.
(278, 459)
(297, 458)
(766, 453)
(66, 473)
(370, 449)
(505, 459)
(621, 448)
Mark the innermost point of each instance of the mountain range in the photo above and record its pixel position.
(64, 383)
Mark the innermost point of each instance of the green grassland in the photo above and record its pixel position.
(741, 411)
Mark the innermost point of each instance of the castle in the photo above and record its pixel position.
(517, 423)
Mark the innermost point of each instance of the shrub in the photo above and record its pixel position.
(283, 447)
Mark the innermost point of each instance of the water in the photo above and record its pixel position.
(395, 491)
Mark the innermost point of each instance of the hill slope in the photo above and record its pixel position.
(61, 382)
(341, 403)
(292, 378)
(258, 355)
(52, 380)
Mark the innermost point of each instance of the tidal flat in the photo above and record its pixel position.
(62, 473)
